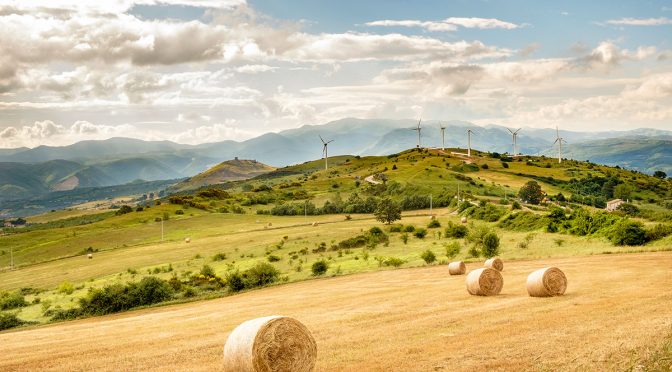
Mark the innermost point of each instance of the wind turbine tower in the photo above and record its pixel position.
(419, 129)
(469, 132)
(443, 137)
(515, 137)
(559, 140)
(325, 144)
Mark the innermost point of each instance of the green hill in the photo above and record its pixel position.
(230, 170)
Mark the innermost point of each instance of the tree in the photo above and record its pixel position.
(622, 191)
(531, 193)
(320, 267)
(490, 245)
(388, 211)
(660, 174)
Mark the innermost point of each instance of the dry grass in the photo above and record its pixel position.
(615, 311)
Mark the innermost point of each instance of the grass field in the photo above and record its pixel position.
(614, 316)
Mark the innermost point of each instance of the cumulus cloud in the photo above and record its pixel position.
(448, 24)
(229, 130)
(50, 133)
(640, 21)
(608, 54)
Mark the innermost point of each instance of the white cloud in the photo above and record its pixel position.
(47, 132)
(448, 24)
(608, 54)
(213, 133)
(640, 21)
(254, 69)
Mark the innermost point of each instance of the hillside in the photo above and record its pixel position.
(230, 170)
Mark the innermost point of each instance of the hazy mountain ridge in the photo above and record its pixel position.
(121, 160)
(230, 170)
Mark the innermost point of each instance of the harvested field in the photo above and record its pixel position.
(617, 310)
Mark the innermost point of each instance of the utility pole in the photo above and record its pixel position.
(305, 209)
(162, 229)
(430, 204)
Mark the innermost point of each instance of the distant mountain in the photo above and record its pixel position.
(640, 153)
(230, 170)
(120, 160)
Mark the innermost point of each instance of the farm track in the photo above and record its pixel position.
(617, 310)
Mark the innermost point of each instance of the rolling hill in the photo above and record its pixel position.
(230, 170)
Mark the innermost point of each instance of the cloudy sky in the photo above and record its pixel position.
(197, 71)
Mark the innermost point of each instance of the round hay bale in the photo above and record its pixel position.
(187, 240)
(547, 282)
(457, 268)
(484, 282)
(315, 224)
(463, 219)
(89, 256)
(494, 263)
(270, 344)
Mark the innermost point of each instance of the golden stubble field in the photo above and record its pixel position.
(617, 310)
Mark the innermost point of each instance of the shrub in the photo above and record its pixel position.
(484, 166)
(454, 230)
(273, 258)
(396, 228)
(207, 271)
(261, 274)
(319, 267)
(628, 209)
(428, 256)
(420, 233)
(505, 165)
(409, 228)
(11, 300)
(659, 231)
(404, 238)
(523, 221)
(488, 212)
(219, 257)
(434, 224)
(66, 288)
(123, 210)
(8, 321)
(235, 281)
(490, 245)
(393, 261)
(179, 211)
(515, 205)
(116, 297)
(626, 232)
(453, 249)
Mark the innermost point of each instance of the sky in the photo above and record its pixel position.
(194, 71)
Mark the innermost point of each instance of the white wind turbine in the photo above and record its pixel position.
(419, 129)
(324, 151)
(469, 132)
(443, 137)
(515, 137)
(559, 140)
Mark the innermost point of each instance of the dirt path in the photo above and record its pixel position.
(617, 308)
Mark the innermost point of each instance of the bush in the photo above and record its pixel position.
(319, 267)
(123, 210)
(273, 258)
(434, 224)
(428, 256)
(658, 232)
(235, 281)
(404, 238)
(179, 211)
(12, 300)
(409, 228)
(628, 209)
(505, 165)
(219, 257)
(420, 233)
(488, 212)
(515, 205)
(454, 230)
(626, 232)
(8, 321)
(116, 297)
(453, 249)
(260, 275)
(66, 288)
(490, 245)
(207, 271)
(523, 221)
(396, 228)
(393, 261)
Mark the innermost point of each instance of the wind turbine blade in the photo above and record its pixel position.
(556, 140)
(510, 131)
(557, 131)
(330, 141)
(321, 138)
(518, 130)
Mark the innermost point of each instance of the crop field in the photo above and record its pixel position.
(614, 316)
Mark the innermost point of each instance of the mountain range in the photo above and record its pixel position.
(28, 172)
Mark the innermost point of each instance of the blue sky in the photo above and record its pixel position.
(199, 71)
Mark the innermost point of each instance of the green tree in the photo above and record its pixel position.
(622, 191)
(388, 211)
(660, 174)
(531, 193)
(490, 245)
(320, 267)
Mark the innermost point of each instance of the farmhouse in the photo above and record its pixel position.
(612, 205)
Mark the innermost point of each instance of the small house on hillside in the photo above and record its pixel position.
(612, 205)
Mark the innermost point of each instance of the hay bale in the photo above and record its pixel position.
(494, 263)
(187, 240)
(484, 282)
(547, 282)
(463, 220)
(315, 224)
(272, 343)
(89, 256)
(457, 268)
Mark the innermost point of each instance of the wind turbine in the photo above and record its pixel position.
(419, 129)
(324, 152)
(469, 132)
(559, 140)
(515, 136)
(443, 137)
